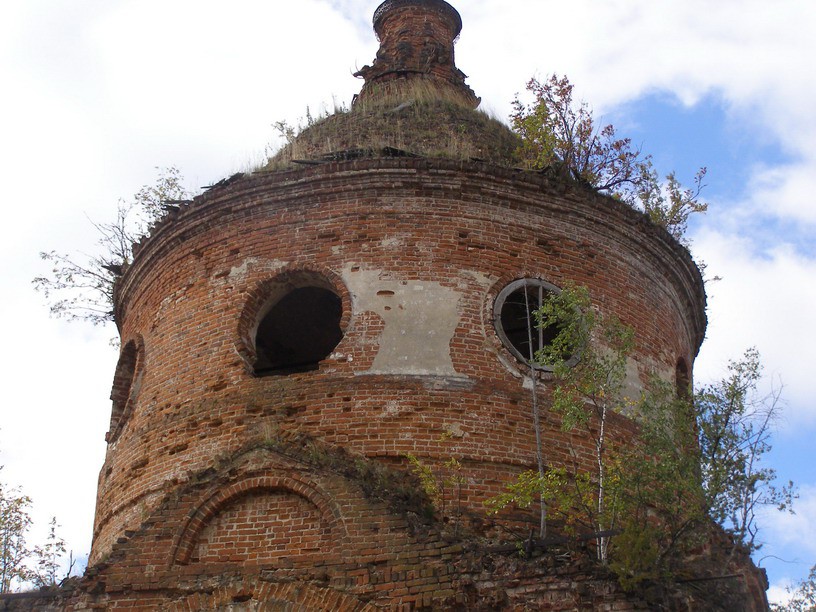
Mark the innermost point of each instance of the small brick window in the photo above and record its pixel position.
(515, 322)
(300, 328)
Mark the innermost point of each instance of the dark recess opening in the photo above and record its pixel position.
(299, 331)
(126, 383)
(682, 380)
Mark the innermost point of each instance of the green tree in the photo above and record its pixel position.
(559, 132)
(587, 357)
(648, 503)
(80, 285)
(662, 501)
(735, 428)
(14, 524)
(47, 559)
(442, 485)
(803, 596)
(587, 392)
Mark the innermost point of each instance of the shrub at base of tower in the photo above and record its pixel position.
(443, 487)
(662, 502)
(652, 507)
(14, 524)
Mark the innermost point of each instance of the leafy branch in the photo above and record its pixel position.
(14, 523)
(735, 430)
(442, 485)
(803, 596)
(696, 462)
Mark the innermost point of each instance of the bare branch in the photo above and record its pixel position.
(80, 285)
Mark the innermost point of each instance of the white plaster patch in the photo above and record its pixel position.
(420, 320)
(253, 264)
(392, 409)
(455, 430)
(632, 385)
(392, 242)
(241, 271)
(483, 280)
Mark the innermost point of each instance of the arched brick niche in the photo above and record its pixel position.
(126, 384)
(258, 520)
(293, 321)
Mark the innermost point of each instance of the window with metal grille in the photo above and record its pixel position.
(515, 322)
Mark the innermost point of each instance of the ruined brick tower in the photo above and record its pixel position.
(290, 336)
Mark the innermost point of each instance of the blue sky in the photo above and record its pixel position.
(97, 93)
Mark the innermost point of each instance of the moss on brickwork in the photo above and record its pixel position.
(399, 489)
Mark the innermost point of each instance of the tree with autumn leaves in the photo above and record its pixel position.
(559, 132)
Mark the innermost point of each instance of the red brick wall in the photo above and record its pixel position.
(464, 227)
(261, 527)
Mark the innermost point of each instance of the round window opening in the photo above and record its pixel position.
(301, 329)
(515, 321)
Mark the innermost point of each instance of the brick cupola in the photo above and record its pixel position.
(416, 53)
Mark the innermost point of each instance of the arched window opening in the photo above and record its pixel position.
(515, 322)
(126, 383)
(298, 331)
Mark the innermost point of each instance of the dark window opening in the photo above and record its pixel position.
(515, 320)
(300, 330)
(683, 380)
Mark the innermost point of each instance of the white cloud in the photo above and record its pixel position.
(786, 191)
(753, 51)
(798, 530)
(789, 548)
(764, 300)
(778, 592)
